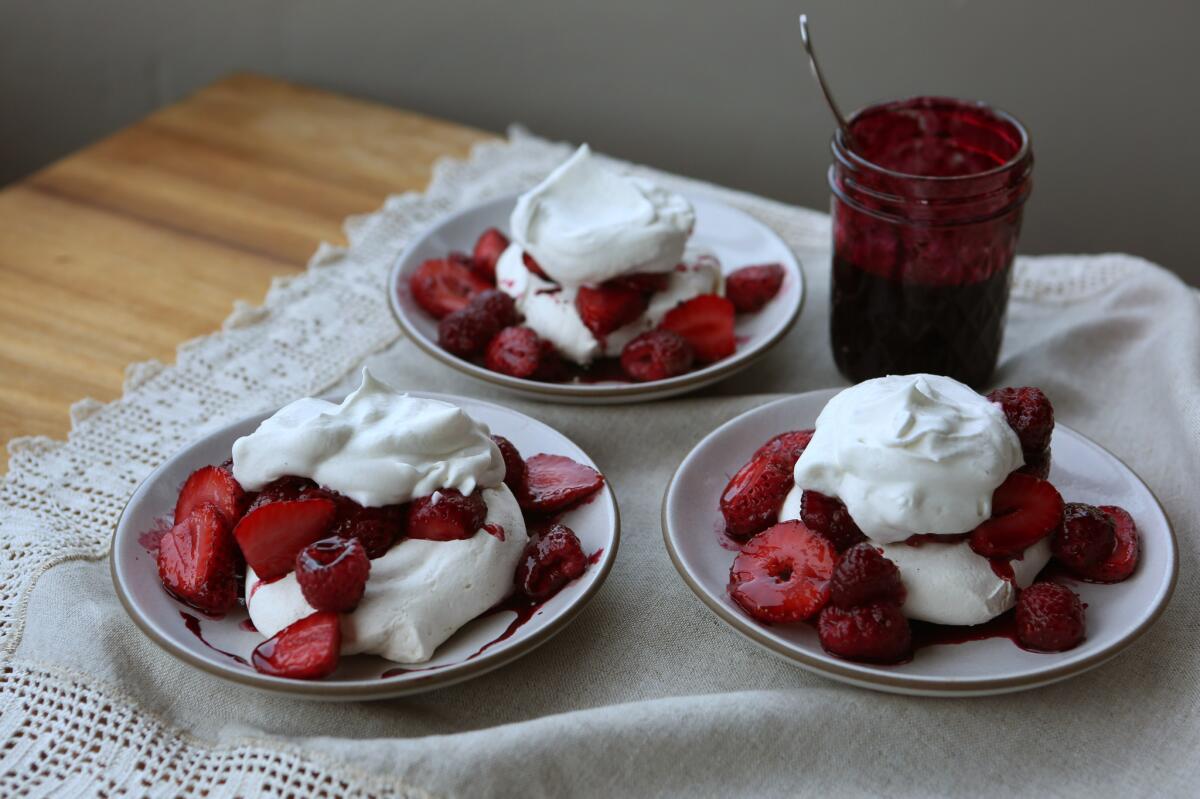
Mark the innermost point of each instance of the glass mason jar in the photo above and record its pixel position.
(926, 214)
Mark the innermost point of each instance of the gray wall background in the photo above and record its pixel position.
(711, 88)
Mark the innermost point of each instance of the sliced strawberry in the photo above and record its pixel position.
(196, 561)
(443, 285)
(782, 574)
(707, 323)
(446, 515)
(645, 282)
(514, 464)
(304, 650)
(751, 499)
(1124, 558)
(786, 448)
(605, 308)
(752, 287)
(488, 248)
(533, 266)
(215, 486)
(1024, 511)
(555, 482)
(656, 355)
(272, 534)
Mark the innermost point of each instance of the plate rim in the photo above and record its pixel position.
(381, 687)
(579, 391)
(902, 684)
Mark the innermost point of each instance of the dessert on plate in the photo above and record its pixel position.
(597, 282)
(917, 505)
(380, 525)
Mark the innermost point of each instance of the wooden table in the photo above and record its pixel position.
(123, 250)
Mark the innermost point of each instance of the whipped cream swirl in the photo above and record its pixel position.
(585, 224)
(910, 454)
(378, 447)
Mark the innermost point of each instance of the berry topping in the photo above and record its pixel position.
(751, 499)
(707, 324)
(875, 633)
(645, 282)
(1024, 511)
(514, 464)
(1037, 464)
(533, 266)
(196, 561)
(555, 482)
(752, 287)
(494, 530)
(215, 486)
(1030, 415)
(549, 562)
(782, 574)
(287, 488)
(1085, 539)
(605, 308)
(467, 331)
(1049, 618)
(446, 515)
(515, 351)
(864, 576)
(827, 516)
(332, 573)
(375, 528)
(656, 355)
(443, 286)
(487, 251)
(1124, 558)
(786, 448)
(272, 534)
(304, 650)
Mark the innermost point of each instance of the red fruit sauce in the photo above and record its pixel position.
(926, 213)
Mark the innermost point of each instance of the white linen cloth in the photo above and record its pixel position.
(646, 693)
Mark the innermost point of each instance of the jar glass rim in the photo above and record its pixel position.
(1022, 153)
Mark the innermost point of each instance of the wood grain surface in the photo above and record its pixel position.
(122, 251)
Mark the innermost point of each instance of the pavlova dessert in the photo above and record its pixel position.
(916, 498)
(380, 525)
(597, 281)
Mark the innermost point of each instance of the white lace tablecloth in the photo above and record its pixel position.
(646, 693)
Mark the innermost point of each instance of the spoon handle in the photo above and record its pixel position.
(816, 71)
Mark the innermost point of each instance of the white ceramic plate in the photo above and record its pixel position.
(1082, 470)
(222, 646)
(736, 238)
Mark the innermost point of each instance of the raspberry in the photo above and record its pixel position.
(1030, 415)
(332, 573)
(782, 574)
(876, 633)
(515, 351)
(864, 576)
(1049, 618)
(467, 331)
(657, 355)
(752, 287)
(514, 464)
(1085, 539)
(549, 562)
(1124, 558)
(828, 517)
(375, 528)
(496, 307)
(446, 515)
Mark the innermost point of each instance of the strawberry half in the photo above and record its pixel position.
(751, 499)
(786, 448)
(1025, 510)
(554, 483)
(488, 247)
(1124, 558)
(304, 650)
(196, 561)
(707, 324)
(605, 308)
(272, 534)
(446, 515)
(444, 285)
(782, 574)
(215, 486)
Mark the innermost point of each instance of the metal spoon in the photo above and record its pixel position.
(816, 71)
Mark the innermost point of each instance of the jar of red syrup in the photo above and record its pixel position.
(926, 212)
